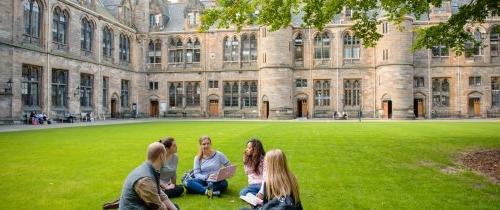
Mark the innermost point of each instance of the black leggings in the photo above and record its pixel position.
(177, 191)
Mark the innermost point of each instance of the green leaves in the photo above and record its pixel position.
(366, 14)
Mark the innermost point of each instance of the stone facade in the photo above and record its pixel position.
(255, 73)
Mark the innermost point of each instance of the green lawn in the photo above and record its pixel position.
(338, 165)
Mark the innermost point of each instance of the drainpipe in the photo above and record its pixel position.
(429, 81)
(458, 87)
(47, 47)
(338, 65)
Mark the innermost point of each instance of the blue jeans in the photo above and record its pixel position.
(197, 186)
(251, 188)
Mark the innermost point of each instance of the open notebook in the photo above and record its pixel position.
(251, 199)
(224, 173)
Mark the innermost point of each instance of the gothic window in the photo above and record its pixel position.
(495, 41)
(193, 94)
(86, 90)
(105, 88)
(175, 94)
(32, 21)
(322, 92)
(30, 89)
(495, 91)
(193, 51)
(440, 51)
(474, 48)
(352, 92)
(322, 46)
(124, 48)
(298, 52)
(248, 48)
(107, 42)
(231, 48)
(197, 51)
(59, 88)
(351, 48)
(154, 53)
(418, 82)
(231, 94)
(192, 18)
(87, 35)
(440, 92)
(176, 51)
(127, 15)
(248, 94)
(125, 91)
(59, 26)
(157, 20)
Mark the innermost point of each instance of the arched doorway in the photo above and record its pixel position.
(213, 106)
(387, 107)
(419, 105)
(302, 108)
(154, 108)
(114, 105)
(474, 104)
(264, 109)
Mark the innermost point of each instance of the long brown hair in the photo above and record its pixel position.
(255, 159)
(167, 141)
(200, 153)
(280, 181)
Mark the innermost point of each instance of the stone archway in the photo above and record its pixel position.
(386, 106)
(264, 109)
(419, 105)
(115, 105)
(301, 107)
(154, 106)
(474, 104)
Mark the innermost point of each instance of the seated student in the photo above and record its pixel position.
(253, 160)
(168, 172)
(280, 189)
(141, 188)
(206, 164)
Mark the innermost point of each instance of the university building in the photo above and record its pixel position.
(146, 58)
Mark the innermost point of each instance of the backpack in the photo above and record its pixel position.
(283, 203)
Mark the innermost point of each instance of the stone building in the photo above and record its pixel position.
(120, 58)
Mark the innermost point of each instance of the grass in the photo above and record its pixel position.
(339, 165)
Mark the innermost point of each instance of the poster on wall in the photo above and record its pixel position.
(163, 107)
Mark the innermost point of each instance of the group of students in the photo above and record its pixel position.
(153, 183)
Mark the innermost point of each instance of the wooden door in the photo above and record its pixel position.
(213, 108)
(477, 107)
(304, 108)
(264, 111)
(154, 109)
(386, 109)
(113, 108)
(420, 108)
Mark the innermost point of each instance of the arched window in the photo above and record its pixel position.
(175, 92)
(474, 49)
(495, 42)
(124, 48)
(253, 47)
(322, 93)
(197, 51)
(189, 51)
(87, 35)
(322, 46)
(231, 48)
(231, 94)
(107, 42)
(351, 48)
(154, 53)
(298, 52)
(176, 51)
(193, 94)
(440, 92)
(352, 92)
(32, 15)
(59, 26)
(495, 91)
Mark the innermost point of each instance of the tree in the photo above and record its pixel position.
(278, 14)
